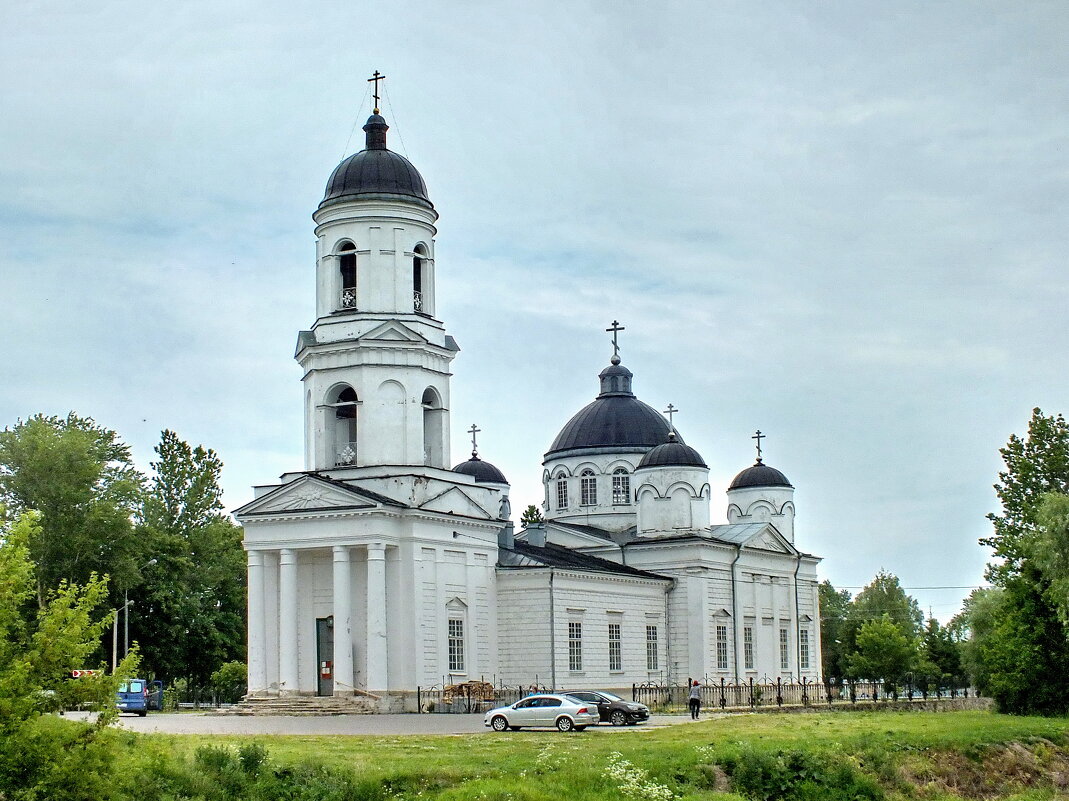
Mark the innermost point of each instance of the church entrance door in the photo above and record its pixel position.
(325, 655)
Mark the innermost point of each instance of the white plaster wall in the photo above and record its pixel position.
(773, 505)
(604, 514)
(672, 499)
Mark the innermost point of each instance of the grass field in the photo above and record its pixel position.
(805, 756)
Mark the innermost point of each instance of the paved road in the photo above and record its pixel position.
(201, 723)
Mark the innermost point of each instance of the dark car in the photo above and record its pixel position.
(612, 708)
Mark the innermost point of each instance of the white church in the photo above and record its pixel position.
(378, 568)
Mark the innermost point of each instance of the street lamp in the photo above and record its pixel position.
(127, 603)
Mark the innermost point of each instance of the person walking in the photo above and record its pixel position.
(695, 701)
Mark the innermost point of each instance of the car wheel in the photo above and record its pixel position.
(618, 718)
(565, 723)
(499, 723)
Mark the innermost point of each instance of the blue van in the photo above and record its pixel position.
(133, 697)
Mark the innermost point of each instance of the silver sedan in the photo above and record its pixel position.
(560, 711)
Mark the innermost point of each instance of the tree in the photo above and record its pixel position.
(883, 596)
(940, 653)
(189, 613)
(1051, 551)
(41, 756)
(80, 479)
(531, 515)
(972, 627)
(884, 652)
(1026, 646)
(834, 609)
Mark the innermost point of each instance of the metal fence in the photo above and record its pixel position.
(182, 695)
(471, 696)
(751, 694)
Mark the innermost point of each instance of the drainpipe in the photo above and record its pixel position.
(552, 635)
(798, 620)
(668, 630)
(735, 612)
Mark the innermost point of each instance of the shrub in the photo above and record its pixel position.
(793, 775)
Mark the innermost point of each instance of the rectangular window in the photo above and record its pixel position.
(621, 488)
(588, 490)
(803, 649)
(456, 645)
(747, 647)
(651, 648)
(721, 647)
(784, 650)
(562, 493)
(575, 646)
(616, 659)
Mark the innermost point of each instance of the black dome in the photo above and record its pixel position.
(760, 475)
(672, 454)
(482, 472)
(616, 419)
(376, 171)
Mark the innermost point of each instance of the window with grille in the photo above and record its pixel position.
(784, 650)
(456, 645)
(747, 647)
(575, 646)
(651, 648)
(616, 657)
(721, 647)
(588, 488)
(803, 649)
(562, 492)
(621, 487)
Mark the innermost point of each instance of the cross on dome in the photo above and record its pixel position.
(474, 448)
(375, 94)
(616, 328)
(758, 436)
(670, 411)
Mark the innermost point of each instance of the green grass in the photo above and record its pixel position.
(826, 755)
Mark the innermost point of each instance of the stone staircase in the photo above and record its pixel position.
(363, 704)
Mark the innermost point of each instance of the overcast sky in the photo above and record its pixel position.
(842, 223)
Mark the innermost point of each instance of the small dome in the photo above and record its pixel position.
(672, 454)
(376, 171)
(482, 472)
(760, 475)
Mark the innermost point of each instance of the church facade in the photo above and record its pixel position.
(378, 569)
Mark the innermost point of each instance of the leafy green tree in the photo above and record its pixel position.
(80, 479)
(531, 515)
(972, 627)
(189, 613)
(1051, 551)
(882, 597)
(41, 756)
(1027, 643)
(834, 609)
(940, 653)
(884, 652)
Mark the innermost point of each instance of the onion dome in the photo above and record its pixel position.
(759, 475)
(672, 454)
(376, 171)
(615, 420)
(482, 472)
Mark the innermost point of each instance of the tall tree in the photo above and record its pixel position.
(1027, 644)
(940, 652)
(189, 613)
(834, 609)
(1051, 551)
(79, 477)
(884, 652)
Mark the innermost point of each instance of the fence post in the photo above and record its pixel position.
(723, 699)
(779, 691)
(634, 692)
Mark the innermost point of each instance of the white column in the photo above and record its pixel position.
(343, 624)
(376, 617)
(257, 633)
(287, 622)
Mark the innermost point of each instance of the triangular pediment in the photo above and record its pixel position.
(769, 540)
(392, 331)
(455, 501)
(307, 494)
(760, 536)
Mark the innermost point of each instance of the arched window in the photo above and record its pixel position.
(347, 265)
(588, 488)
(562, 491)
(345, 404)
(419, 278)
(621, 487)
(433, 424)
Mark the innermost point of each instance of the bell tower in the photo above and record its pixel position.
(376, 361)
